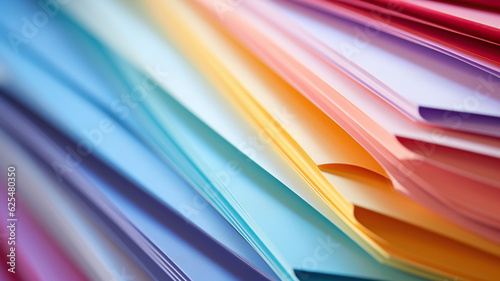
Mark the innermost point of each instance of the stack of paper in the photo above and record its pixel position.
(250, 140)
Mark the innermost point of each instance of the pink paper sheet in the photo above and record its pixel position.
(480, 54)
(38, 257)
(475, 23)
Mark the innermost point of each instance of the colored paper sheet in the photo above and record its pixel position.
(69, 222)
(181, 242)
(301, 246)
(386, 117)
(229, 168)
(312, 218)
(187, 87)
(110, 145)
(423, 221)
(58, 49)
(485, 4)
(253, 140)
(135, 246)
(487, 187)
(330, 146)
(185, 200)
(424, 84)
(435, 155)
(37, 256)
(477, 23)
(474, 52)
(224, 49)
(247, 184)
